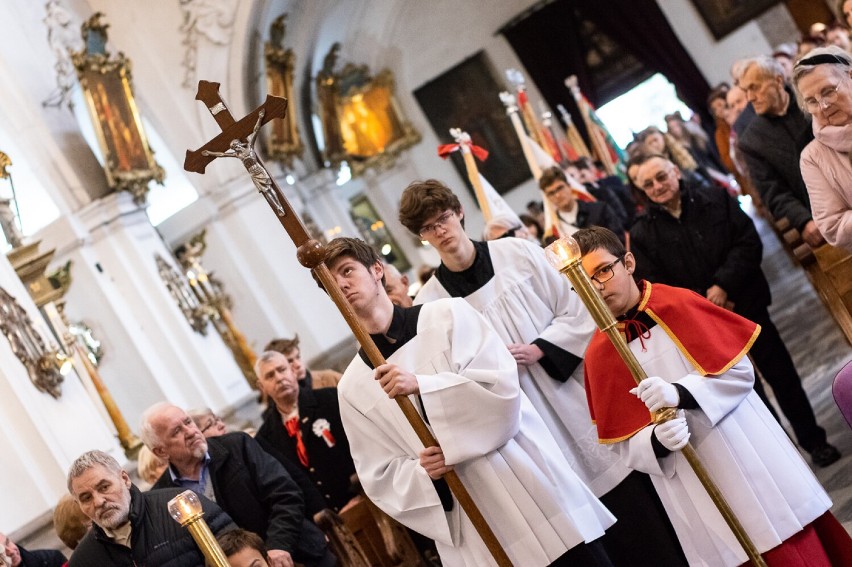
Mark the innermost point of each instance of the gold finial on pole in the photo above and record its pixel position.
(186, 510)
(564, 255)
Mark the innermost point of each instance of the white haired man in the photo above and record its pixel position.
(130, 527)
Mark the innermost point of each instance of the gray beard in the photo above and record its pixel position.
(116, 519)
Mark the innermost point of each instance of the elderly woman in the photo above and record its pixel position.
(822, 83)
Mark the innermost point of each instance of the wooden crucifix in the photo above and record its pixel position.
(237, 140)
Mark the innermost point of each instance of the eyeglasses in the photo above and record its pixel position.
(661, 177)
(605, 274)
(827, 96)
(440, 222)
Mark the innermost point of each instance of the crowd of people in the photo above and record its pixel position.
(530, 404)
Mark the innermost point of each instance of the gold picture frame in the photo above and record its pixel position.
(108, 91)
(362, 120)
(284, 142)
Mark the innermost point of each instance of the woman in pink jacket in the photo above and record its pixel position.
(822, 81)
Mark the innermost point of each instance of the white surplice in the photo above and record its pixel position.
(536, 505)
(764, 479)
(527, 299)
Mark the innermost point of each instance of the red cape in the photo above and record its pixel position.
(711, 338)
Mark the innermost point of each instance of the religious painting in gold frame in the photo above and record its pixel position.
(107, 89)
(284, 142)
(362, 112)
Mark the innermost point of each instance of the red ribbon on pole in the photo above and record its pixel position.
(444, 151)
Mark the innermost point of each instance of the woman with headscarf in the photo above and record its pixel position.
(822, 83)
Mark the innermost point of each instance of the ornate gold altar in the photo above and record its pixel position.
(362, 120)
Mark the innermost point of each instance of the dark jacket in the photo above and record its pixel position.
(605, 194)
(256, 491)
(771, 147)
(156, 540)
(41, 558)
(713, 243)
(598, 214)
(329, 468)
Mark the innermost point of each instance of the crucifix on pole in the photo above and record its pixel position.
(237, 140)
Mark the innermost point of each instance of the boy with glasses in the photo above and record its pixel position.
(547, 330)
(694, 353)
(700, 239)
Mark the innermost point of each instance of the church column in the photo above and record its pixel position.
(249, 251)
(151, 351)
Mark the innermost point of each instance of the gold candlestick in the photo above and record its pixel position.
(564, 255)
(185, 508)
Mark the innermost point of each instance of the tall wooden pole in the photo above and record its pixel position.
(311, 254)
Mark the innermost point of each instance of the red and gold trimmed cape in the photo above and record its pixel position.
(711, 338)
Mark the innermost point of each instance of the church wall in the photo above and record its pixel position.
(41, 435)
(713, 58)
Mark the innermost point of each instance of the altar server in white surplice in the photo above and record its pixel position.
(547, 329)
(464, 383)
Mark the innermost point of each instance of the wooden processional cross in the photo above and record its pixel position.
(237, 140)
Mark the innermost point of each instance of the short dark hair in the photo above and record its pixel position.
(550, 176)
(355, 248)
(234, 541)
(596, 237)
(284, 346)
(643, 158)
(422, 199)
(719, 92)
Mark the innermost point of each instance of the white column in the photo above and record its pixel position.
(249, 250)
(41, 435)
(151, 352)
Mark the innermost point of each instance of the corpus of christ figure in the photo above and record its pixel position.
(245, 153)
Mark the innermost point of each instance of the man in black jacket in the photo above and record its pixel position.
(772, 144)
(701, 240)
(246, 482)
(130, 528)
(303, 425)
(17, 556)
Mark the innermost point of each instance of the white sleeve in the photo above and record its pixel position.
(473, 402)
(392, 476)
(717, 396)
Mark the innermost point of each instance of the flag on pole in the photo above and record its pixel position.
(603, 145)
(575, 140)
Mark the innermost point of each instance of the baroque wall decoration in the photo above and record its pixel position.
(284, 141)
(63, 39)
(362, 121)
(107, 87)
(45, 366)
(209, 19)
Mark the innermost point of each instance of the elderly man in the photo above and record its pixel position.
(13, 555)
(307, 378)
(303, 426)
(246, 482)
(396, 285)
(772, 144)
(129, 527)
(701, 240)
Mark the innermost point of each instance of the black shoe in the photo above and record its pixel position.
(825, 454)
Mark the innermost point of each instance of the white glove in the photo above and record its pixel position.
(673, 434)
(656, 393)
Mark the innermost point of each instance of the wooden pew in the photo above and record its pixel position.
(829, 270)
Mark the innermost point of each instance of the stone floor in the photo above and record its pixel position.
(818, 348)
